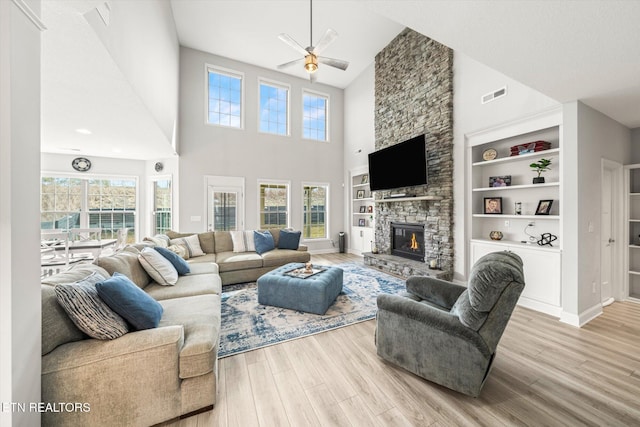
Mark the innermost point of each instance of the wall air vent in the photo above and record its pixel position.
(493, 95)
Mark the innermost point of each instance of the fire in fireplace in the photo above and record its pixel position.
(407, 240)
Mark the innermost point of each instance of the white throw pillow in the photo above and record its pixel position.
(243, 241)
(159, 268)
(192, 243)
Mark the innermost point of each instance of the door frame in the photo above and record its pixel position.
(225, 183)
(617, 229)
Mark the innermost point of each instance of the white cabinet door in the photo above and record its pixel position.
(542, 272)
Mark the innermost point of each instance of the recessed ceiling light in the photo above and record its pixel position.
(84, 131)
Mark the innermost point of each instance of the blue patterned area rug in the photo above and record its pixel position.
(247, 325)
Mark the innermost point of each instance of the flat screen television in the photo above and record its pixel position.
(400, 165)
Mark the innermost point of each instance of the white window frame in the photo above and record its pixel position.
(231, 73)
(326, 213)
(152, 202)
(275, 182)
(278, 85)
(327, 98)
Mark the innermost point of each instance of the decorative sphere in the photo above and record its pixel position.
(496, 235)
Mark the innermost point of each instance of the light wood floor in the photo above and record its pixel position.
(546, 373)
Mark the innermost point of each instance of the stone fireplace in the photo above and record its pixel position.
(407, 240)
(414, 96)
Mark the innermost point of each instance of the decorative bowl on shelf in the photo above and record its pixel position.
(495, 235)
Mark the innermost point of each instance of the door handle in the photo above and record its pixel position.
(611, 240)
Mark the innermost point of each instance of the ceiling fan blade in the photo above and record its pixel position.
(328, 38)
(294, 44)
(290, 63)
(337, 63)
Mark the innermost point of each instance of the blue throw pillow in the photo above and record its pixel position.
(130, 302)
(180, 264)
(289, 239)
(264, 241)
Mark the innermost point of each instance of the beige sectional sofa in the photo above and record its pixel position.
(241, 267)
(141, 378)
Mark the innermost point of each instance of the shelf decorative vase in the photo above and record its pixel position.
(538, 180)
(495, 235)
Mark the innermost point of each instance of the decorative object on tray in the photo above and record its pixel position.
(304, 272)
(81, 164)
(544, 207)
(493, 205)
(530, 147)
(518, 208)
(540, 166)
(489, 154)
(546, 239)
(496, 235)
(500, 181)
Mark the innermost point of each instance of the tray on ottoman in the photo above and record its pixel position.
(312, 294)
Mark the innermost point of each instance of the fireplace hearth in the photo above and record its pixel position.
(407, 240)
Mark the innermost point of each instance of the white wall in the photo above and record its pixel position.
(20, 318)
(597, 137)
(219, 151)
(635, 146)
(145, 29)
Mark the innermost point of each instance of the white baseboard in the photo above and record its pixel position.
(579, 320)
(542, 307)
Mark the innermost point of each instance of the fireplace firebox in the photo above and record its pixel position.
(407, 240)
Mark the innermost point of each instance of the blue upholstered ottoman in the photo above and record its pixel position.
(313, 294)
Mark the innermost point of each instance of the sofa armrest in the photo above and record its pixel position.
(437, 291)
(303, 248)
(431, 319)
(132, 380)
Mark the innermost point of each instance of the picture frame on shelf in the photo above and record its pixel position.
(363, 209)
(362, 222)
(365, 179)
(500, 181)
(544, 207)
(360, 194)
(493, 205)
(370, 209)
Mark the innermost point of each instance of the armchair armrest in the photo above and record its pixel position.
(436, 291)
(432, 318)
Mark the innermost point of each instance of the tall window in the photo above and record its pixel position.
(315, 108)
(274, 205)
(224, 106)
(107, 203)
(162, 205)
(274, 108)
(315, 201)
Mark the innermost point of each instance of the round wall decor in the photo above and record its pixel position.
(81, 164)
(159, 166)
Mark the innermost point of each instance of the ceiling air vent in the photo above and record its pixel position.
(493, 95)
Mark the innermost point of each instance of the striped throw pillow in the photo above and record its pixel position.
(192, 243)
(85, 308)
(243, 241)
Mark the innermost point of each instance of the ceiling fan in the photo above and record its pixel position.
(311, 57)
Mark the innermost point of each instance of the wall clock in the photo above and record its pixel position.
(489, 154)
(159, 166)
(81, 164)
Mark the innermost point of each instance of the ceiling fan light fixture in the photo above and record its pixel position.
(311, 63)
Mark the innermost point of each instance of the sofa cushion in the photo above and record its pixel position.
(284, 256)
(206, 238)
(243, 241)
(189, 285)
(57, 327)
(289, 239)
(231, 261)
(192, 243)
(159, 268)
(224, 243)
(125, 262)
(74, 273)
(264, 241)
(203, 267)
(275, 232)
(88, 311)
(206, 259)
(181, 266)
(200, 318)
(130, 302)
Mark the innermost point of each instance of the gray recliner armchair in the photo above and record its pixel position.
(447, 333)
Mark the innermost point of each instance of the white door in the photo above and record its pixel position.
(606, 238)
(224, 208)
